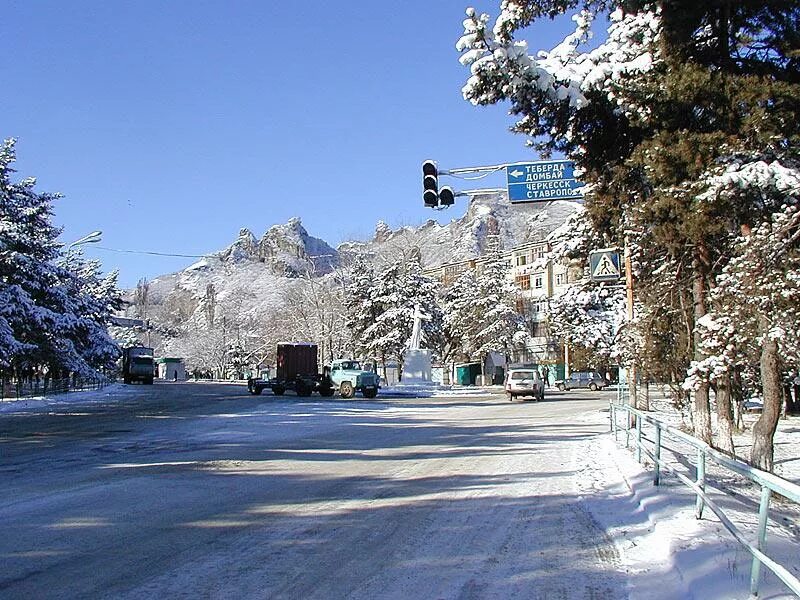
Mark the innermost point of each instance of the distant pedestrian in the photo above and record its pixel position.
(545, 377)
(175, 375)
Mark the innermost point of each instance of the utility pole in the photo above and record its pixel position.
(629, 302)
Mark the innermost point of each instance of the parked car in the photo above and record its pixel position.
(524, 382)
(582, 380)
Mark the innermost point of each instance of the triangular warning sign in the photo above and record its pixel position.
(605, 267)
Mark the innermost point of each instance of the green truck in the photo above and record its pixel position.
(296, 369)
(138, 364)
(347, 376)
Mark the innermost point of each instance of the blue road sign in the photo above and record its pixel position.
(604, 265)
(543, 181)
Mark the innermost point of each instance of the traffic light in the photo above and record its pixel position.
(430, 184)
(446, 196)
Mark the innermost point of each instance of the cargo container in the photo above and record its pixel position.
(296, 369)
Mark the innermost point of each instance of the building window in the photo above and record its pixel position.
(560, 278)
(523, 282)
(537, 282)
(538, 329)
(522, 260)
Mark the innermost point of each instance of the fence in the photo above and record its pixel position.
(634, 427)
(41, 387)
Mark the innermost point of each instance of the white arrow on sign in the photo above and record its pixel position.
(516, 173)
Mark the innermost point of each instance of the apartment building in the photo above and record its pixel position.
(539, 279)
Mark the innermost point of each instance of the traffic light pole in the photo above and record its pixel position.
(439, 198)
(479, 191)
(484, 169)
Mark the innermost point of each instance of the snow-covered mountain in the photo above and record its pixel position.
(253, 274)
(465, 237)
(287, 249)
(257, 275)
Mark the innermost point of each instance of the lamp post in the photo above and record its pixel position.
(91, 238)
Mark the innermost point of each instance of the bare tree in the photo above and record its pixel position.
(140, 297)
(210, 304)
(315, 312)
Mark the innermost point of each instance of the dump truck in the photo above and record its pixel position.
(296, 369)
(138, 365)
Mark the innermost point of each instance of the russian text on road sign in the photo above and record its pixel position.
(542, 181)
(604, 265)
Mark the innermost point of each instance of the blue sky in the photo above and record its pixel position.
(171, 125)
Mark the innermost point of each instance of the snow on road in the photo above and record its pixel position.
(471, 497)
(404, 501)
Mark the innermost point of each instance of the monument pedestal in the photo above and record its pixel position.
(417, 367)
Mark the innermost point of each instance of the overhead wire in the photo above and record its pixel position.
(156, 253)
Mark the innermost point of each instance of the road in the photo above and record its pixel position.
(200, 490)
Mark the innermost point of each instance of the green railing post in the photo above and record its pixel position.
(763, 514)
(701, 482)
(768, 482)
(639, 439)
(657, 455)
(627, 429)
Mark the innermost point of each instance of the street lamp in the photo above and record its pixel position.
(91, 238)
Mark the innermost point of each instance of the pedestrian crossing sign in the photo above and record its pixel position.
(604, 265)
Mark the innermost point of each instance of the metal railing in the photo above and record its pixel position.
(34, 388)
(633, 427)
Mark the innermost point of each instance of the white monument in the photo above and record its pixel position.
(417, 361)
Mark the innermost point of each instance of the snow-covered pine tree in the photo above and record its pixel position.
(53, 317)
(386, 337)
(677, 93)
(497, 319)
(755, 318)
(459, 301)
(27, 247)
(398, 289)
(94, 298)
(361, 306)
(590, 317)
